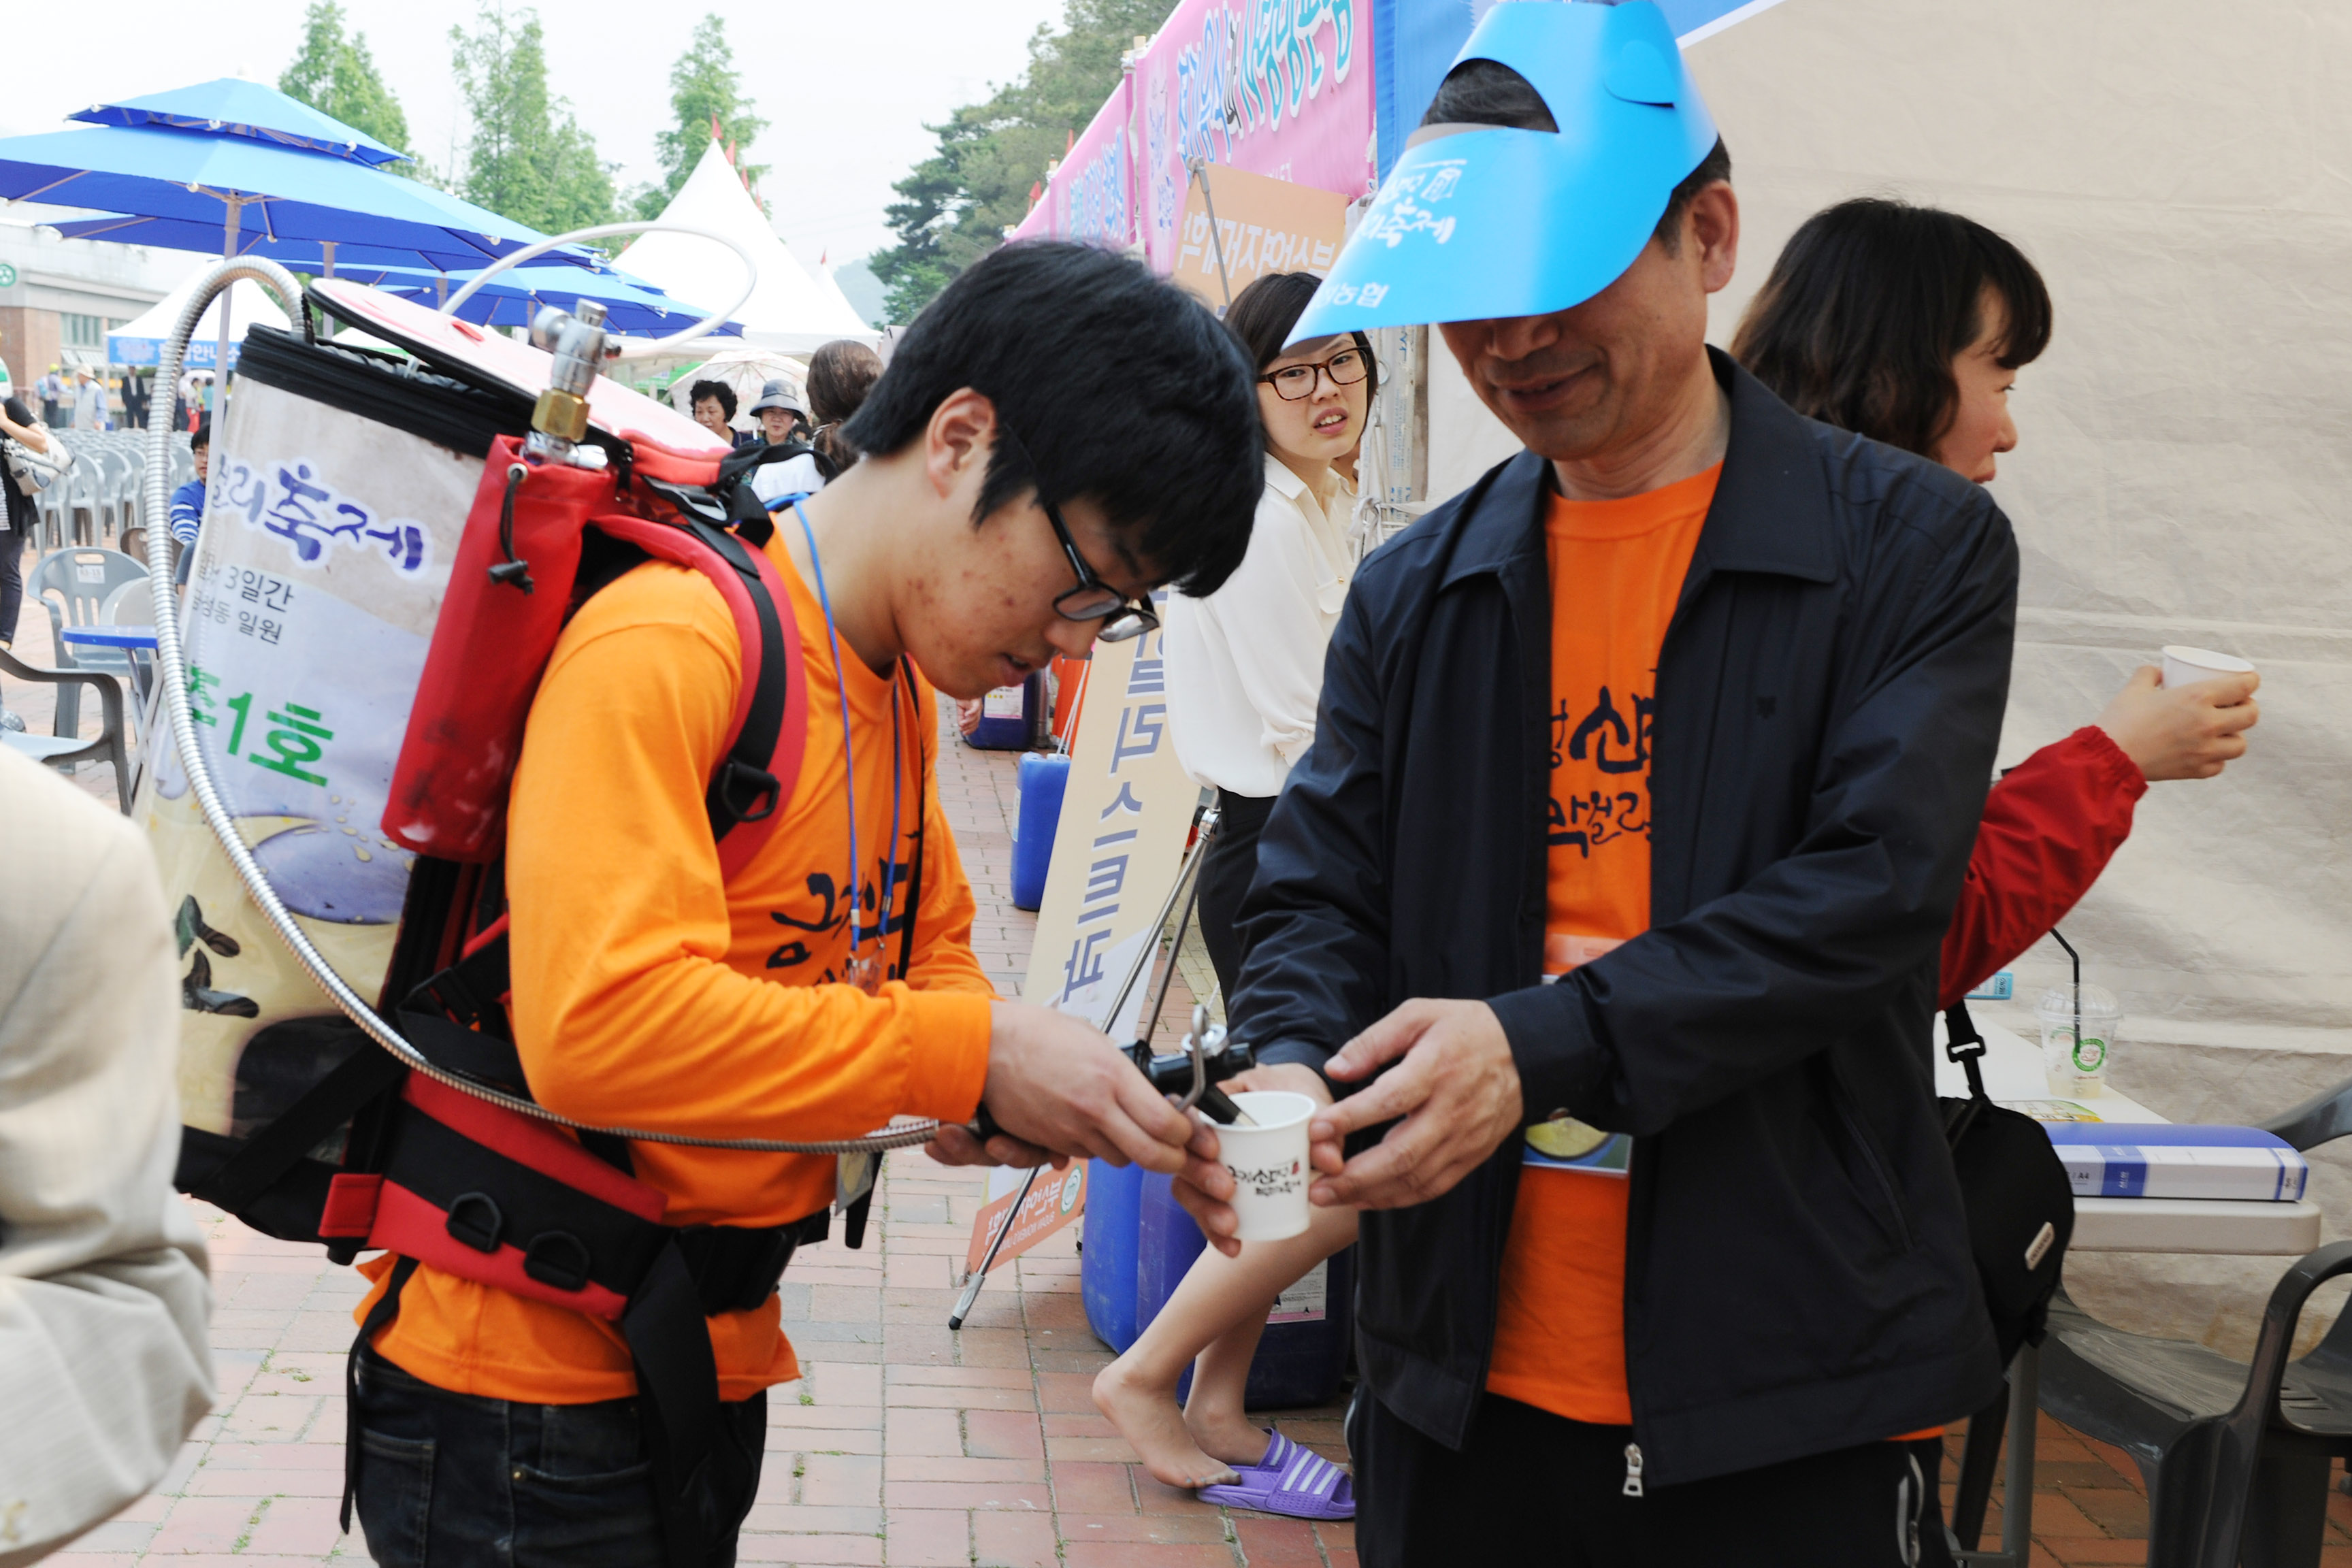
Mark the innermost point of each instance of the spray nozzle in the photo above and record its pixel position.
(560, 419)
(1193, 1070)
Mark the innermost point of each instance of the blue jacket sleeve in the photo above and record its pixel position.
(187, 512)
(1739, 987)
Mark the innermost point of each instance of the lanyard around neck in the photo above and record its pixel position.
(849, 758)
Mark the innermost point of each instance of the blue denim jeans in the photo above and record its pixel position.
(452, 1480)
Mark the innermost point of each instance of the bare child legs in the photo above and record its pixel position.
(1217, 1314)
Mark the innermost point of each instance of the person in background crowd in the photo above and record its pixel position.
(19, 513)
(7, 385)
(134, 401)
(88, 400)
(840, 375)
(1908, 325)
(1245, 666)
(104, 1367)
(1644, 781)
(188, 501)
(53, 411)
(713, 403)
(786, 465)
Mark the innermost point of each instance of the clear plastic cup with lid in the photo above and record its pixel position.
(2079, 1025)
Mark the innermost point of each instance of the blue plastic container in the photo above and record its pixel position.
(1107, 1260)
(1042, 781)
(1139, 1235)
(1014, 718)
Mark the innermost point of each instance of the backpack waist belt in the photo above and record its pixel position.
(494, 1196)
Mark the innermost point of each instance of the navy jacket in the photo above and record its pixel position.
(1829, 695)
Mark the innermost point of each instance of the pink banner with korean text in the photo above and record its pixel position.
(1278, 87)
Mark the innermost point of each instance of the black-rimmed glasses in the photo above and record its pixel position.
(1093, 599)
(1293, 383)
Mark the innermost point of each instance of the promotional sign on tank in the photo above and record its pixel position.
(324, 555)
(1278, 87)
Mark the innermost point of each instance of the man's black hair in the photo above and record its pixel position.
(1262, 315)
(724, 393)
(1488, 92)
(203, 436)
(1870, 303)
(1124, 390)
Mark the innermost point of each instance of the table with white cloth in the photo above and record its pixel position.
(2014, 1074)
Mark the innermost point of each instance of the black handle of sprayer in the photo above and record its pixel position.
(1213, 1101)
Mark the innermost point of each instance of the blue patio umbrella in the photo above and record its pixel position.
(234, 107)
(235, 168)
(515, 296)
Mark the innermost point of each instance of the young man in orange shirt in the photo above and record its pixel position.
(1059, 434)
(1644, 780)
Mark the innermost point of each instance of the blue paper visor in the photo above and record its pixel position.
(1479, 221)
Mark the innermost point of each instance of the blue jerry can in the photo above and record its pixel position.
(1107, 1261)
(1042, 781)
(1014, 718)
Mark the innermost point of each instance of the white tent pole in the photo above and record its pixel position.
(229, 231)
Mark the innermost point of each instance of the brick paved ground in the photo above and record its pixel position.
(905, 1444)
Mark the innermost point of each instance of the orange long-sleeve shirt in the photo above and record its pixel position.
(648, 994)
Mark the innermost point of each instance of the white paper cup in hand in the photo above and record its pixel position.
(1269, 1163)
(2185, 666)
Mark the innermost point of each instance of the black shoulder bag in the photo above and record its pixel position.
(2021, 1207)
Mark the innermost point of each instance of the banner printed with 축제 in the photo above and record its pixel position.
(1119, 844)
(319, 576)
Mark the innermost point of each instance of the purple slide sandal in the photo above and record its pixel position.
(1292, 1481)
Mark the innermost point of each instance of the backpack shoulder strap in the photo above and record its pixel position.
(764, 742)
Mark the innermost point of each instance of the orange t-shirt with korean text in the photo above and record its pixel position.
(1617, 569)
(649, 994)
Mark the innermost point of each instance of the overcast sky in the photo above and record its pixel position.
(846, 89)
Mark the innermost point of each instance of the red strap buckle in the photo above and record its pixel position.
(350, 1204)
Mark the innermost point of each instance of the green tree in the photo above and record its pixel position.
(954, 205)
(337, 76)
(704, 85)
(527, 159)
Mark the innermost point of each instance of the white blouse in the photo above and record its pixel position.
(1246, 664)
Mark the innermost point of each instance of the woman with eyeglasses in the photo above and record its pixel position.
(1245, 668)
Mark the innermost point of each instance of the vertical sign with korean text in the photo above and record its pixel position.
(1126, 814)
(317, 581)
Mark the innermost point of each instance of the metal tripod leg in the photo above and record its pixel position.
(1188, 888)
(995, 1243)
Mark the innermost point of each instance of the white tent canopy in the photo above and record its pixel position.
(141, 341)
(788, 310)
(832, 290)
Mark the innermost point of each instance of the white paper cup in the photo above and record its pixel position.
(1269, 1163)
(2185, 666)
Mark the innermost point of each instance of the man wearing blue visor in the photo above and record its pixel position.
(1643, 784)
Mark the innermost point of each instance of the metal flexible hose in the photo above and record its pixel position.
(171, 672)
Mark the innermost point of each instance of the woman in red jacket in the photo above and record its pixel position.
(1908, 325)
